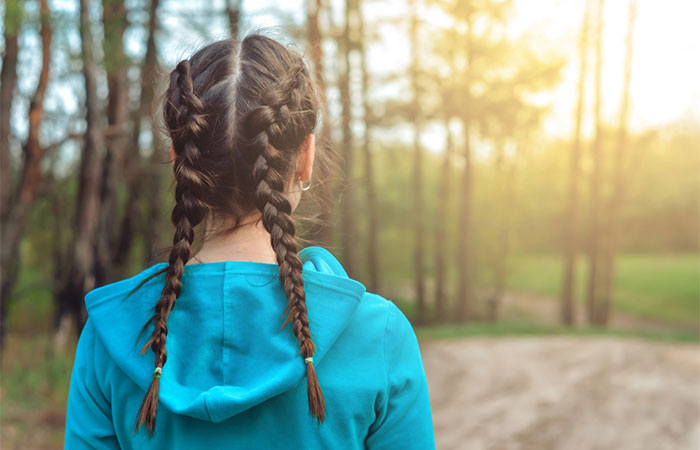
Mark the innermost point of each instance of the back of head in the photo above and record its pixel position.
(237, 114)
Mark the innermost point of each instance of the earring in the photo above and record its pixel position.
(307, 187)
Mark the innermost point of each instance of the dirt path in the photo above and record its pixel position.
(568, 393)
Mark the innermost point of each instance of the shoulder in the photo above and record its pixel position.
(373, 309)
(377, 304)
(383, 321)
(397, 324)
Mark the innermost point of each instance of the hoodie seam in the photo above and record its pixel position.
(310, 279)
(224, 328)
(337, 288)
(385, 365)
(206, 406)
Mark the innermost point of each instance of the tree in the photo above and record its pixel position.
(115, 157)
(372, 209)
(464, 271)
(33, 152)
(233, 14)
(445, 186)
(593, 287)
(504, 177)
(494, 82)
(154, 170)
(348, 212)
(417, 179)
(619, 182)
(571, 216)
(133, 165)
(321, 230)
(8, 78)
(441, 248)
(82, 257)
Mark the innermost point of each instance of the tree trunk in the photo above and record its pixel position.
(233, 13)
(127, 229)
(114, 19)
(153, 224)
(593, 286)
(505, 180)
(80, 275)
(615, 203)
(465, 288)
(348, 185)
(154, 174)
(28, 183)
(137, 179)
(417, 181)
(8, 79)
(441, 249)
(59, 224)
(464, 271)
(571, 236)
(444, 193)
(372, 210)
(321, 230)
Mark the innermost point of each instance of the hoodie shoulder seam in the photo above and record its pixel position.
(339, 289)
(384, 366)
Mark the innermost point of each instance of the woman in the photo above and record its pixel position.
(217, 371)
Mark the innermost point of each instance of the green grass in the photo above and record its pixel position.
(525, 328)
(34, 384)
(655, 286)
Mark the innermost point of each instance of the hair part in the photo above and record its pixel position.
(237, 114)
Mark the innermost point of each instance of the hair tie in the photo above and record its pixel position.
(309, 360)
(158, 371)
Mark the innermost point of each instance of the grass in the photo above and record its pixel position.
(655, 286)
(35, 379)
(527, 328)
(34, 387)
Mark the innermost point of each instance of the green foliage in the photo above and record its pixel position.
(31, 307)
(14, 13)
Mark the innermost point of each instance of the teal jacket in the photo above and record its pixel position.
(234, 379)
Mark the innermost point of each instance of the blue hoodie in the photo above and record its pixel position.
(234, 379)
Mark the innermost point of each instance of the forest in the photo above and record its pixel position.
(486, 177)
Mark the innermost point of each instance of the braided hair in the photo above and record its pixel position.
(237, 114)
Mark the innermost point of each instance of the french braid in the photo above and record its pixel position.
(265, 126)
(185, 120)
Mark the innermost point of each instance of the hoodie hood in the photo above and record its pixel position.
(226, 349)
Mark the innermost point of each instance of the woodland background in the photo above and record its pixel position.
(503, 167)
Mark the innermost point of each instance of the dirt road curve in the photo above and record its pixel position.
(569, 393)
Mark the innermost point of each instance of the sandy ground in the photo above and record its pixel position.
(564, 393)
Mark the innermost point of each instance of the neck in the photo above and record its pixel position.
(249, 242)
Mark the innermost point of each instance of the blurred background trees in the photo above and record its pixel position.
(449, 193)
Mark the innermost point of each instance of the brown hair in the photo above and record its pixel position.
(237, 114)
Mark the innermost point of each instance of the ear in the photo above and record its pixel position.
(172, 154)
(305, 161)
